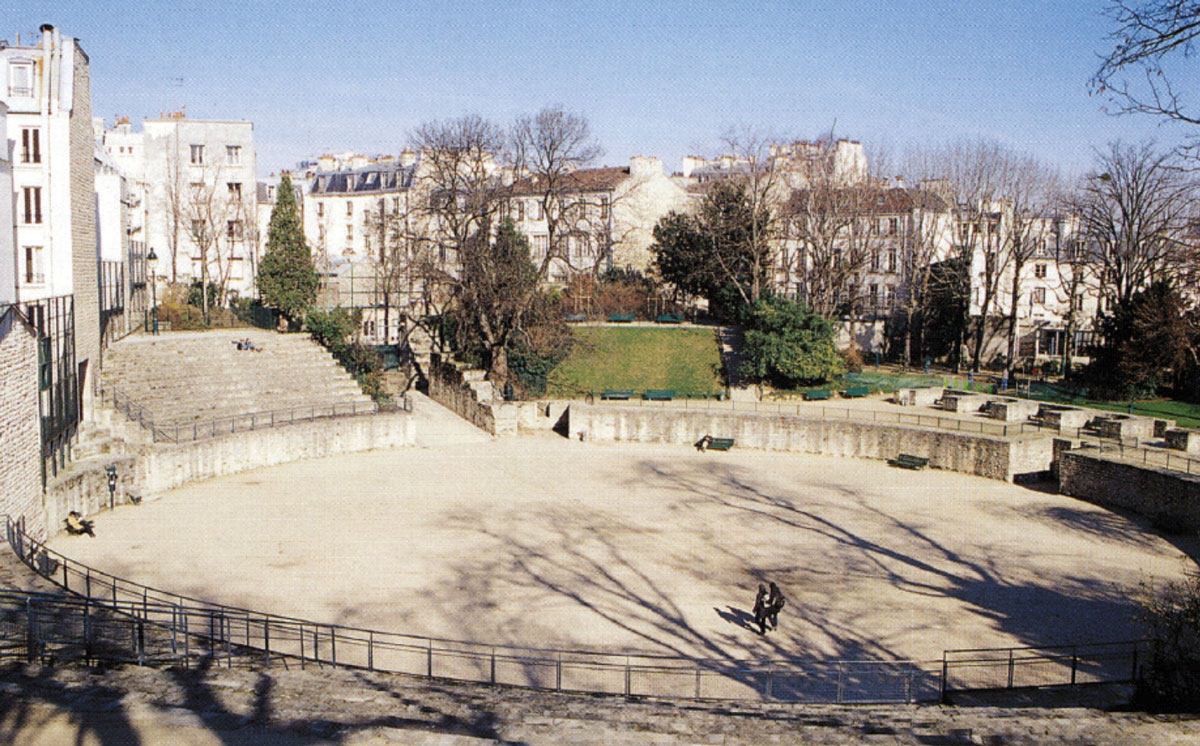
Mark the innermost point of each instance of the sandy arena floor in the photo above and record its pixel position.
(625, 547)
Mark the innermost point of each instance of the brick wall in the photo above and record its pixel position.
(20, 439)
(83, 230)
(1169, 498)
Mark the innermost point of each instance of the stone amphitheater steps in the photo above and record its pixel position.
(185, 378)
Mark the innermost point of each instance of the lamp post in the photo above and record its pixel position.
(152, 264)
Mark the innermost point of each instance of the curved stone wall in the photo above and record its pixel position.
(161, 468)
(970, 453)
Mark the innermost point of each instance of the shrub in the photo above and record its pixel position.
(1172, 613)
(335, 330)
(790, 345)
(853, 360)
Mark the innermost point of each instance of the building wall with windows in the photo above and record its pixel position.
(201, 206)
(8, 251)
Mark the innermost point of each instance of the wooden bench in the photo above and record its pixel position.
(575, 317)
(669, 318)
(720, 444)
(817, 394)
(621, 394)
(659, 394)
(908, 461)
(620, 318)
(855, 392)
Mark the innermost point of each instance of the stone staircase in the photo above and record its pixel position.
(183, 378)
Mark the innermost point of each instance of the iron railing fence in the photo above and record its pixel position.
(146, 625)
(1015, 668)
(212, 428)
(819, 411)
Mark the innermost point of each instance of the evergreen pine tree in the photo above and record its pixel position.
(286, 277)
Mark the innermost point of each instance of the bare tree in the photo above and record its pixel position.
(1153, 41)
(548, 150)
(1134, 208)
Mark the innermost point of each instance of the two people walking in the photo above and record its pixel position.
(767, 605)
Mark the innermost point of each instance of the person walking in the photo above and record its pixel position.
(774, 603)
(760, 609)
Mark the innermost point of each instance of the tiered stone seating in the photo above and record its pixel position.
(185, 378)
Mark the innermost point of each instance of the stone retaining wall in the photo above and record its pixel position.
(970, 453)
(20, 434)
(1169, 498)
(164, 467)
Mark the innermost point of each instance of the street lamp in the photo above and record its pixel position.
(111, 471)
(152, 263)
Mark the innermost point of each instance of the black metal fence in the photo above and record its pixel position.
(204, 429)
(116, 620)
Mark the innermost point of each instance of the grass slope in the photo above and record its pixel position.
(686, 360)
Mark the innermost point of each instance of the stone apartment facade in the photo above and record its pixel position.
(201, 207)
(53, 276)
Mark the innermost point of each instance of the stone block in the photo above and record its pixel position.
(918, 397)
(1183, 440)
(1063, 418)
(1012, 410)
(963, 401)
(1121, 426)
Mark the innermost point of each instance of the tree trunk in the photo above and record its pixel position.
(498, 369)
(1012, 322)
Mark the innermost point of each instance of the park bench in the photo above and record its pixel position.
(669, 318)
(908, 461)
(621, 394)
(720, 444)
(855, 392)
(659, 394)
(817, 394)
(620, 318)
(574, 317)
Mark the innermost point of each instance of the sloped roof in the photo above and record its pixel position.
(373, 178)
(875, 202)
(583, 180)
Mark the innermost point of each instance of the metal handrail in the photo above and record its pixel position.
(270, 637)
(263, 419)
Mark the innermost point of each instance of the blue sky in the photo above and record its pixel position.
(657, 78)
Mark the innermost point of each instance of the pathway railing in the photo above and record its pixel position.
(212, 428)
(147, 625)
(1014, 668)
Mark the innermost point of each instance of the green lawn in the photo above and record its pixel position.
(686, 360)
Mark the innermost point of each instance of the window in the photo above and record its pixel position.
(31, 211)
(31, 147)
(1039, 271)
(874, 261)
(320, 209)
(33, 265)
(891, 263)
(1039, 296)
(197, 229)
(197, 155)
(233, 154)
(396, 205)
(349, 232)
(197, 188)
(520, 209)
(20, 78)
(539, 212)
(235, 189)
(271, 193)
(233, 230)
(541, 244)
(873, 294)
(893, 226)
(890, 296)
(349, 209)
(604, 207)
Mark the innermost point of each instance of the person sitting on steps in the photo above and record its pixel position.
(77, 524)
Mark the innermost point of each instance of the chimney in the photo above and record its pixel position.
(642, 167)
(408, 158)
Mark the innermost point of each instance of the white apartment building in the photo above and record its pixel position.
(609, 216)
(201, 197)
(355, 211)
(50, 270)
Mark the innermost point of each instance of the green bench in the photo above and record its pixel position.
(659, 394)
(620, 318)
(855, 392)
(908, 461)
(621, 394)
(669, 318)
(817, 394)
(574, 317)
(720, 444)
